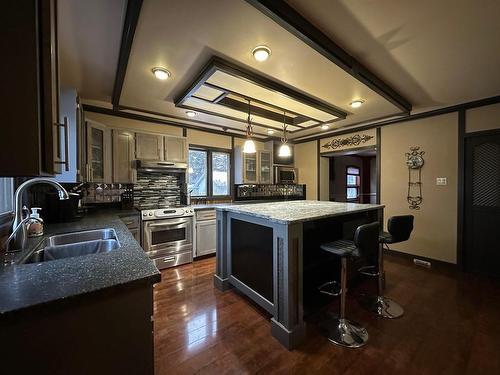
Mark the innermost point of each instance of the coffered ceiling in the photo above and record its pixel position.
(429, 62)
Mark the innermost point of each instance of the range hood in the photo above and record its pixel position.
(167, 166)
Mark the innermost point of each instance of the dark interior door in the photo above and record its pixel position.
(482, 204)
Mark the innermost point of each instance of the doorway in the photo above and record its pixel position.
(353, 176)
(482, 204)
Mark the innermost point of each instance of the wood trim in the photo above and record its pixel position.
(287, 17)
(135, 116)
(378, 159)
(436, 264)
(129, 25)
(461, 187)
(417, 116)
(218, 64)
(318, 167)
(482, 133)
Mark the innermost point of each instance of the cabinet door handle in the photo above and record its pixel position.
(64, 125)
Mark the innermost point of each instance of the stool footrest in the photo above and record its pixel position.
(331, 288)
(369, 271)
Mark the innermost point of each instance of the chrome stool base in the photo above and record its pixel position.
(383, 307)
(344, 332)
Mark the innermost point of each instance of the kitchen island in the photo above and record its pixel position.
(268, 250)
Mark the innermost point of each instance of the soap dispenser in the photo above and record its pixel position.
(35, 223)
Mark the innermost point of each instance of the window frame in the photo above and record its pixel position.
(210, 151)
(350, 186)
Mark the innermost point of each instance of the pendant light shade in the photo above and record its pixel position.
(285, 149)
(249, 145)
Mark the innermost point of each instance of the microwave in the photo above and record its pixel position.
(285, 175)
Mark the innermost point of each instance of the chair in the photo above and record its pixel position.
(340, 330)
(399, 230)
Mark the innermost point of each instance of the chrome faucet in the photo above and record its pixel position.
(20, 237)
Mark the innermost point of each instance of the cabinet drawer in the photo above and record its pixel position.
(205, 215)
(132, 222)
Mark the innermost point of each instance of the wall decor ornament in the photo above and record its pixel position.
(354, 140)
(415, 162)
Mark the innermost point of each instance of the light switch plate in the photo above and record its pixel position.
(441, 181)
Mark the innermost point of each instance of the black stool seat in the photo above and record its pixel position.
(399, 229)
(341, 248)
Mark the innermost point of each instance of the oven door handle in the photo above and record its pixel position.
(168, 224)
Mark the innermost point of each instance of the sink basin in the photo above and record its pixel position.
(74, 244)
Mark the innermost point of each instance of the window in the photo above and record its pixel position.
(352, 183)
(209, 174)
(198, 171)
(6, 195)
(220, 173)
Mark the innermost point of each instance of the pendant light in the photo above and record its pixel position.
(285, 150)
(249, 145)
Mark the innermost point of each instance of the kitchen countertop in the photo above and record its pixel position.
(26, 285)
(298, 211)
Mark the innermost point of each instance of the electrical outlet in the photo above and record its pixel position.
(441, 181)
(421, 263)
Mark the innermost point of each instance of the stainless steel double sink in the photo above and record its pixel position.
(73, 244)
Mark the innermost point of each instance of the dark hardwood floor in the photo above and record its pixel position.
(451, 326)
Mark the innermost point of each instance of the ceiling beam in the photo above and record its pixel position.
(288, 18)
(129, 25)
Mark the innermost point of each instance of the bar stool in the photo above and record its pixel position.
(400, 228)
(340, 330)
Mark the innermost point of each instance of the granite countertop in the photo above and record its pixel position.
(298, 211)
(26, 285)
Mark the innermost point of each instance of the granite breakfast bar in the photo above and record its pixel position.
(263, 250)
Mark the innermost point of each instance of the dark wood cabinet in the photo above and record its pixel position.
(32, 138)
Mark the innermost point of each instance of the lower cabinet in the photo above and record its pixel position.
(132, 223)
(105, 332)
(205, 233)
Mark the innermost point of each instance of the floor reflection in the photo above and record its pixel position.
(201, 327)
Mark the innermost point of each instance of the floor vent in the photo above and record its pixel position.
(421, 263)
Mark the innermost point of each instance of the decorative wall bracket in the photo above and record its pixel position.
(415, 162)
(354, 140)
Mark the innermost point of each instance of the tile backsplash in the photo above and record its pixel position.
(105, 193)
(157, 189)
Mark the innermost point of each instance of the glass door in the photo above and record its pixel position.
(250, 168)
(265, 167)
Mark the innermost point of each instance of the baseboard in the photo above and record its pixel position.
(201, 257)
(439, 264)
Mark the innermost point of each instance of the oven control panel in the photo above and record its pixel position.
(162, 213)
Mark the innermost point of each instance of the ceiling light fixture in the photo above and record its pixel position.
(190, 113)
(161, 73)
(324, 127)
(249, 145)
(356, 103)
(285, 149)
(270, 132)
(261, 53)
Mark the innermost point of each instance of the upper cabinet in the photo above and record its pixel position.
(253, 168)
(31, 132)
(176, 149)
(123, 156)
(265, 167)
(98, 153)
(149, 146)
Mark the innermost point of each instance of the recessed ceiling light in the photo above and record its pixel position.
(324, 127)
(270, 131)
(261, 53)
(356, 103)
(161, 73)
(190, 113)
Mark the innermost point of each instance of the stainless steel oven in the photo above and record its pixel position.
(167, 236)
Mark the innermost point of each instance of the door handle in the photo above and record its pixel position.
(64, 125)
(169, 224)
